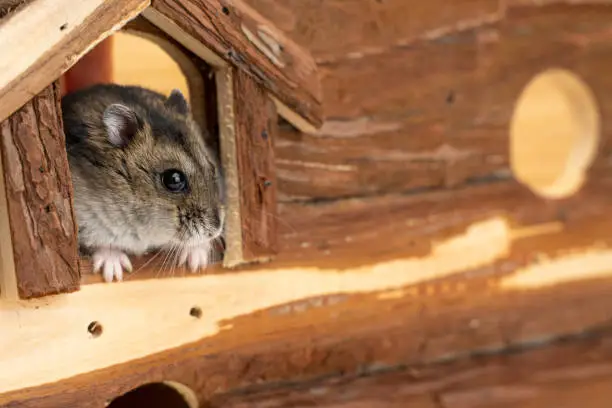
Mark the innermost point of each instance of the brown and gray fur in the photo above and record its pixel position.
(120, 200)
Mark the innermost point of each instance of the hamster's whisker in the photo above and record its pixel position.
(163, 267)
(145, 264)
(175, 258)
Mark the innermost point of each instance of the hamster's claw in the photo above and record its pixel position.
(196, 257)
(112, 262)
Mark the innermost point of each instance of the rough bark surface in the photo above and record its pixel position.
(256, 128)
(39, 197)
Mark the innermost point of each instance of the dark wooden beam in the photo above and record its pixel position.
(235, 34)
(41, 231)
(570, 373)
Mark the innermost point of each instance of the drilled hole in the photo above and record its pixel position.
(225, 11)
(95, 329)
(195, 312)
(450, 98)
(554, 134)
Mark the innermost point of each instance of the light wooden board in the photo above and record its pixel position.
(47, 340)
(8, 277)
(47, 37)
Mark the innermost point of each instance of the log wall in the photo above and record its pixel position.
(412, 268)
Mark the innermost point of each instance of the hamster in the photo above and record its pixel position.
(143, 176)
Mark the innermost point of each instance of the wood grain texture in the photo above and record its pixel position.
(54, 40)
(437, 114)
(248, 128)
(335, 30)
(328, 335)
(242, 37)
(415, 81)
(572, 373)
(39, 197)
(393, 280)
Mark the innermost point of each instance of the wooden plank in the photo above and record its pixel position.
(335, 30)
(247, 131)
(39, 198)
(428, 128)
(242, 37)
(416, 81)
(572, 373)
(8, 277)
(406, 278)
(317, 335)
(55, 34)
(367, 156)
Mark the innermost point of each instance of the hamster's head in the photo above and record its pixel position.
(173, 177)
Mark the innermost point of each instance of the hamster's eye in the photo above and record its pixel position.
(174, 180)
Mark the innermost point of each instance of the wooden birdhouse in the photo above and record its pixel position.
(438, 233)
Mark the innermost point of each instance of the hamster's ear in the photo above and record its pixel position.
(177, 101)
(121, 124)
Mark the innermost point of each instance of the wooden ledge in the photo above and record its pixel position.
(152, 316)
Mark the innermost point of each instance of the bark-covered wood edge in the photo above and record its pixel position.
(39, 198)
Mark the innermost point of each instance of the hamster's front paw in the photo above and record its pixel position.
(112, 262)
(195, 256)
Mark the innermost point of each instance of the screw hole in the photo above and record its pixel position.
(195, 312)
(225, 11)
(47, 208)
(267, 183)
(264, 134)
(95, 329)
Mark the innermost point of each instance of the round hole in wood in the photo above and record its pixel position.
(157, 395)
(554, 134)
(95, 329)
(195, 312)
